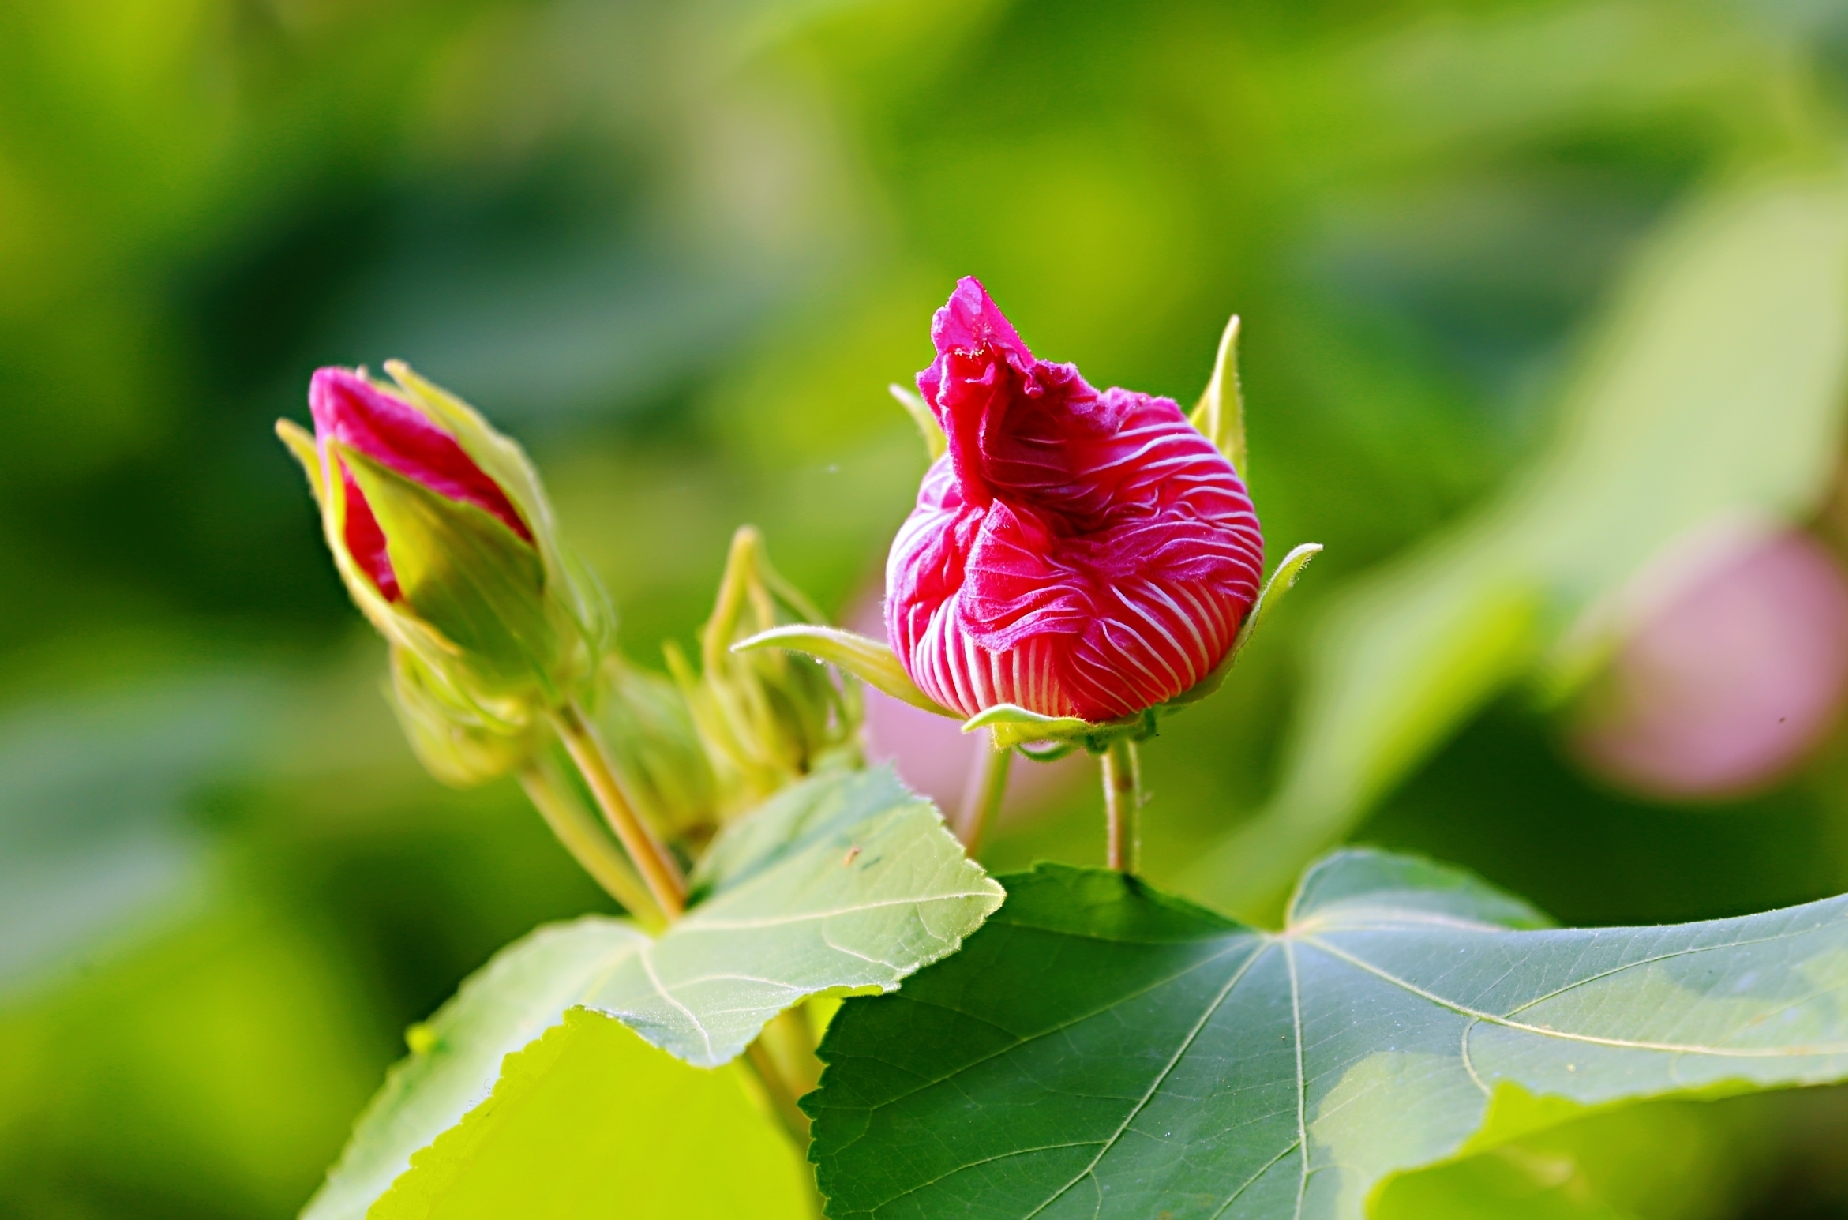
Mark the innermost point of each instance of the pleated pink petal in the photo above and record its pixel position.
(1076, 553)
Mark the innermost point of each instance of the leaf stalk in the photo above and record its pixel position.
(576, 827)
(982, 798)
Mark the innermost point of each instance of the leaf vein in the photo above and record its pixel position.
(1155, 1085)
(1766, 1052)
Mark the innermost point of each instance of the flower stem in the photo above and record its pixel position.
(982, 798)
(668, 888)
(577, 828)
(651, 858)
(782, 1096)
(1122, 805)
(783, 1060)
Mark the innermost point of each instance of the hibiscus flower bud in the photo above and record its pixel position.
(444, 539)
(1075, 553)
(766, 718)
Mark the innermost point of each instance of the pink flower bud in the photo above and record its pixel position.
(1075, 553)
(351, 410)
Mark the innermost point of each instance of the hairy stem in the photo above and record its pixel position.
(577, 828)
(1122, 805)
(982, 798)
(656, 864)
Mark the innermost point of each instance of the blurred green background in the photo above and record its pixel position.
(679, 249)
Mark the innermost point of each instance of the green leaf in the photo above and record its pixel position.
(1102, 1050)
(457, 1054)
(592, 1121)
(846, 882)
(1714, 388)
(1506, 1184)
(872, 661)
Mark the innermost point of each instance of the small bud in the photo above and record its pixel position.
(1079, 555)
(443, 537)
(766, 717)
(656, 749)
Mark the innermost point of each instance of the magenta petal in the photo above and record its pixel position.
(970, 322)
(351, 410)
(365, 541)
(1076, 553)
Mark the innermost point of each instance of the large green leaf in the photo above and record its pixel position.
(846, 882)
(592, 1121)
(1507, 1183)
(1101, 1050)
(457, 1055)
(1714, 388)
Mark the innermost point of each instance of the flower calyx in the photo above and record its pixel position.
(1034, 734)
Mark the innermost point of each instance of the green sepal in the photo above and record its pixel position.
(468, 576)
(299, 443)
(502, 460)
(1273, 591)
(1220, 415)
(492, 631)
(457, 740)
(1281, 581)
(1016, 726)
(872, 661)
(1013, 725)
(402, 630)
(935, 442)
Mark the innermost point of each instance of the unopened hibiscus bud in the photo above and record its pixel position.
(444, 539)
(1075, 553)
(767, 717)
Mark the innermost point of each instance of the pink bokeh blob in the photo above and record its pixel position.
(935, 757)
(1730, 677)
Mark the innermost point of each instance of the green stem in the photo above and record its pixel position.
(668, 888)
(791, 1037)
(577, 828)
(1122, 805)
(650, 856)
(777, 1089)
(982, 799)
(784, 1062)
